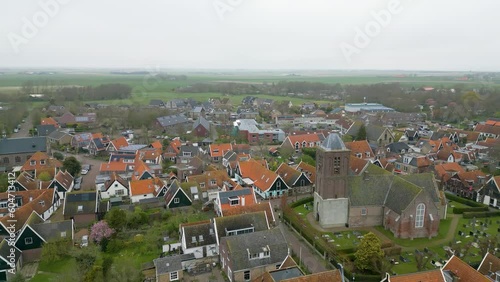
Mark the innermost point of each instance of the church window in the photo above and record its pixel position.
(336, 165)
(419, 218)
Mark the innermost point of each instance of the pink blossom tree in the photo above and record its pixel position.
(101, 231)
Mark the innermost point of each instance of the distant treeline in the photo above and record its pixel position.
(87, 93)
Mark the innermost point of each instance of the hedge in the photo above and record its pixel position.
(463, 200)
(392, 251)
(301, 202)
(481, 214)
(457, 210)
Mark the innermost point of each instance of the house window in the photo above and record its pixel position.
(120, 192)
(364, 211)
(246, 275)
(234, 201)
(216, 158)
(3, 205)
(116, 184)
(278, 266)
(42, 162)
(367, 154)
(278, 184)
(32, 162)
(28, 240)
(174, 276)
(213, 182)
(202, 185)
(5, 160)
(304, 144)
(80, 208)
(193, 239)
(358, 155)
(177, 200)
(18, 159)
(419, 218)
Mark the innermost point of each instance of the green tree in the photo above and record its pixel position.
(116, 218)
(126, 271)
(347, 138)
(308, 160)
(72, 165)
(369, 252)
(55, 250)
(361, 133)
(44, 176)
(58, 156)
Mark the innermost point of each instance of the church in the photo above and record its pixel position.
(410, 206)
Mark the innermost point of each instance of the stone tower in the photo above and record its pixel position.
(331, 204)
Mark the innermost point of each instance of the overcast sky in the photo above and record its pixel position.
(252, 34)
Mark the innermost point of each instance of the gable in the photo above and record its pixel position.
(180, 199)
(28, 234)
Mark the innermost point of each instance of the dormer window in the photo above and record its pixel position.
(42, 162)
(234, 201)
(213, 182)
(32, 162)
(358, 155)
(367, 154)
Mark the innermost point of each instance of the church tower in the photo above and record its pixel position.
(331, 204)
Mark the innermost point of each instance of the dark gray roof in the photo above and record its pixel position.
(333, 142)
(5, 250)
(254, 243)
(378, 187)
(286, 273)
(87, 200)
(256, 219)
(23, 145)
(53, 230)
(205, 230)
(201, 120)
(230, 156)
(156, 102)
(225, 195)
(171, 263)
(396, 147)
(198, 109)
(373, 132)
(56, 135)
(45, 129)
(172, 120)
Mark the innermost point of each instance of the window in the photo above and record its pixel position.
(213, 182)
(80, 208)
(278, 184)
(216, 158)
(364, 211)
(202, 185)
(234, 201)
(367, 154)
(177, 200)
(28, 240)
(42, 162)
(419, 218)
(246, 275)
(116, 184)
(336, 165)
(174, 276)
(278, 266)
(32, 162)
(304, 144)
(18, 159)
(120, 192)
(5, 160)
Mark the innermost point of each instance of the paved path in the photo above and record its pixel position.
(309, 258)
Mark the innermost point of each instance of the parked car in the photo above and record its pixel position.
(77, 186)
(84, 171)
(78, 180)
(86, 167)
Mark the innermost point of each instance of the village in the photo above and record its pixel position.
(207, 191)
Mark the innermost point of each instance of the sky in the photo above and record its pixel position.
(445, 35)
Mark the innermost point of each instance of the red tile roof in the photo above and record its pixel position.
(330, 276)
(39, 157)
(113, 167)
(262, 177)
(145, 186)
(308, 169)
(218, 150)
(308, 138)
(49, 121)
(119, 142)
(463, 271)
(444, 171)
(360, 147)
(250, 208)
(489, 264)
(435, 275)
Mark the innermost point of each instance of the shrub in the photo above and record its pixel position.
(481, 214)
(115, 245)
(457, 210)
(392, 251)
(463, 200)
(301, 202)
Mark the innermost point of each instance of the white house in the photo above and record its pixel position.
(199, 239)
(114, 187)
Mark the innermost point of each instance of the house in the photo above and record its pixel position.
(171, 268)
(293, 178)
(227, 200)
(409, 206)
(398, 148)
(466, 184)
(489, 129)
(231, 159)
(45, 130)
(217, 151)
(98, 144)
(155, 103)
(117, 144)
(376, 135)
(256, 207)
(235, 225)
(55, 108)
(193, 166)
(63, 182)
(490, 267)
(489, 194)
(458, 270)
(59, 137)
(297, 142)
(39, 163)
(81, 140)
(412, 136)
(435, 275)
(146, 189)
(290, 272)
(171, 122)
(198, 238)
(113, 187)
(10, 258)
(361, 149)
(82, 207)
(201, 127)
(266, 183)
(197, 112)
(19, 198)
(49, 121)
(187, 152)
(25, 182)
(66, 119)
(445, 171)
(175, 196)
(116, 166)
(249, 130)
(412, 163)
(211, 182)
(16, 151)
(247, 256)
(36, 232)
(44, 205)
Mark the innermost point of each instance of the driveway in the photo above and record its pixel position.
(88, 180)
(25, 129)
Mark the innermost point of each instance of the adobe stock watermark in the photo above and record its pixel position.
(11, 228)
(364, 36)
(151, 80)
(223, 7)
(40, 19)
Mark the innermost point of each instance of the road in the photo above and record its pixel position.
(88, 180)
(25, 129)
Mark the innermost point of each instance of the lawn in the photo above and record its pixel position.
(50, 271)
